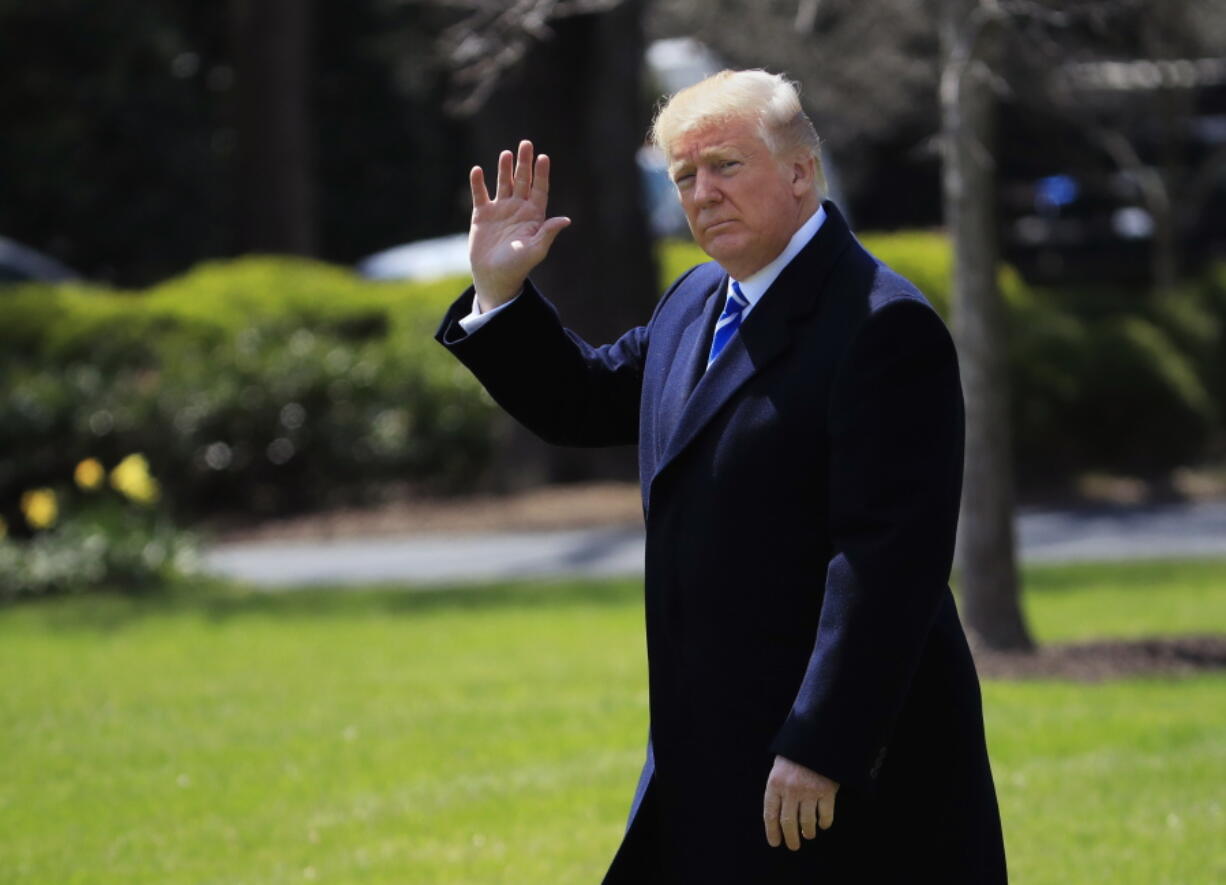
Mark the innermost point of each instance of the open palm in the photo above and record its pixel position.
(510, 233)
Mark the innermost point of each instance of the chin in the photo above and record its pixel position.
(724, 248)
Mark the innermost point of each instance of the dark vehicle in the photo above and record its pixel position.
(1091, 224)
(1085, 190)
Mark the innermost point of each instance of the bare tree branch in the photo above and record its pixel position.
(493, 36)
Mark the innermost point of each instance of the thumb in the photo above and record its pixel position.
(550, 230)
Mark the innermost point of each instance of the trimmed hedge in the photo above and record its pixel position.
(1101, 378)
(267, 385)
(260, 385)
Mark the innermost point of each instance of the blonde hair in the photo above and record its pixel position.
(770, 100)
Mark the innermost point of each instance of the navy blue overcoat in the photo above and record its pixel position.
(801, 499)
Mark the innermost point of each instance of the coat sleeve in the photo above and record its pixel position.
(896, 437)
(549, 379)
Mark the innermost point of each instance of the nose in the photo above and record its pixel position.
(706, 188)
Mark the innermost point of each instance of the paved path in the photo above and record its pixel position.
(1197, 529)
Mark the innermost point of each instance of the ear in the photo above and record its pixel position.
(804, 173)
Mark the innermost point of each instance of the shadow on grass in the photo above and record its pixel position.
(223, 601)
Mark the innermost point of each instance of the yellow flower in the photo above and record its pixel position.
(131, 477)
(89, 474)
(40, 508)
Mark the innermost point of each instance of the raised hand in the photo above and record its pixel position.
(510, 234)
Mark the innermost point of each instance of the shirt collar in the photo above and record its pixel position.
(755, 285)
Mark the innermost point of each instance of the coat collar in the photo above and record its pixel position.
(766, 333)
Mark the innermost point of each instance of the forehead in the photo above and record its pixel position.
(716, 138)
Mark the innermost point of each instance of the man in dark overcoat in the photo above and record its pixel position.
(798, 416)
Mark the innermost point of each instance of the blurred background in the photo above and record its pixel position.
(228, 232)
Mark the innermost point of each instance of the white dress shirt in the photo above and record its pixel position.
(754, 286)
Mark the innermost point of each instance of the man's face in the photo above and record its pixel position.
(742, 203)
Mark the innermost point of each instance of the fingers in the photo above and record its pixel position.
(770, 817)
(825, 810)
(790, 824)
(476, 181)
(505, 175)
(523, 170)
(780, 819)
(808, 818)
(518, 175)
(521, 175)
(540, 179)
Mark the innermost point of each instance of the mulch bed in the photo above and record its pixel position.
(587, 505)
(1109, 659)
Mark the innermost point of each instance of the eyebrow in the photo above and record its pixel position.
(721, 151)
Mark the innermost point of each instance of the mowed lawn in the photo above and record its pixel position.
(493, 734)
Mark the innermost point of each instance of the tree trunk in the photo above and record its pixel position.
(577, 96)
(986, 548)
(276, 176)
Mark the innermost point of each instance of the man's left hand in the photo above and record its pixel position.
(798, 801)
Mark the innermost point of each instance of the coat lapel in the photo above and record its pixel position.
(766, 333)
(689, 363)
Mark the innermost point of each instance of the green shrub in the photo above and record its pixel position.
(1112, 393)
(266, 385)
(1194, 316)
(258, 385)
(91, 533)
(674, 257)
(101, 549)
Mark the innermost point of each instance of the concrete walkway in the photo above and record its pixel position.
(1184, 530)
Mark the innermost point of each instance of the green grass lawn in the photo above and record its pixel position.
(493, 735)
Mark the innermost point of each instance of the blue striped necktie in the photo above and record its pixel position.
(729, 321)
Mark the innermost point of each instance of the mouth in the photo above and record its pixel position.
(714, 228)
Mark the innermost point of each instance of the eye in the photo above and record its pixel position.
(683, 179)
(729, 165)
